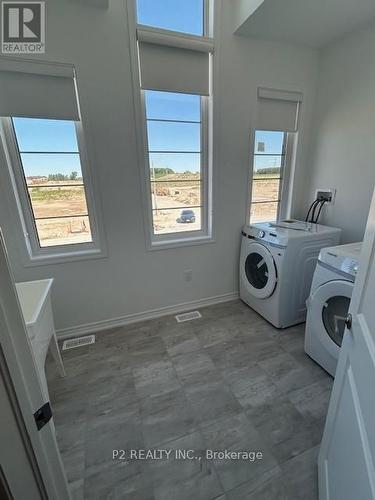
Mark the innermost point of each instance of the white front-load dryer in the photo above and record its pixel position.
(259, 269)
(260, 266)
(328, 304)
(277, 263)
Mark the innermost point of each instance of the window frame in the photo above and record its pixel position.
(286, 176)
(205, 21)
(183, 238)
(37, 255)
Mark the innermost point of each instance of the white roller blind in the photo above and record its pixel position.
(278, 110)
(37, 90)
(174, 63)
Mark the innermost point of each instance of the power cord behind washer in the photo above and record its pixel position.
(313, 209)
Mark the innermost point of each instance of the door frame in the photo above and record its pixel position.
(22, 382)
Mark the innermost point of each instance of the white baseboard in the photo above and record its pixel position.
(76, 331)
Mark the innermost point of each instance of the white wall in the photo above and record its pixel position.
(343, 149)
(132, 279)
(242, 10)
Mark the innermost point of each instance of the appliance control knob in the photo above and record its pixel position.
(261, 234)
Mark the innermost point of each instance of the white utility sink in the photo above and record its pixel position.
(35, 301)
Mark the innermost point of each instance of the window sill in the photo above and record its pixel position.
(64, 257)
(180, 242)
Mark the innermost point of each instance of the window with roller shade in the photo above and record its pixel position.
(175, 86)
(43, 137)
(277, 118)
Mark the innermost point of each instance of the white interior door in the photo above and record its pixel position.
(347, 454)
(18, 477)
(33, 468)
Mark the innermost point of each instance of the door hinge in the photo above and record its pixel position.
(43, 415)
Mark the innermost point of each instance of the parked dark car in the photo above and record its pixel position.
(186, 216)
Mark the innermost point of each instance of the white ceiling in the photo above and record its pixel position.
(314, 23)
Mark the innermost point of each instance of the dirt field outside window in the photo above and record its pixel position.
(171, 194)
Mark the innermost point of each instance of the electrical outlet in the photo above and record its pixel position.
(326, 194)
(188, 274)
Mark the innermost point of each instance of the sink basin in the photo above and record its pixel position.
(33, 297)
(35, 302)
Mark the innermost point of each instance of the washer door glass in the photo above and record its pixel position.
(334, 313)
(256, 270)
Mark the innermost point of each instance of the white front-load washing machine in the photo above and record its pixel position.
(328, 304)
(277, 264)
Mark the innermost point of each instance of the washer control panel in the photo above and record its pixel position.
(344, 258)
(271, 236)
(349, 266)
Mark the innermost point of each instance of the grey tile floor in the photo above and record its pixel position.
(227, 381)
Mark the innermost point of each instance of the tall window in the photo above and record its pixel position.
(176, 88)
(268, 173)
(174, 129)
(187, 18)
(49, 172)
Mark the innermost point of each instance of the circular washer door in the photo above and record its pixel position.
(329, 308)
(259, 271)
